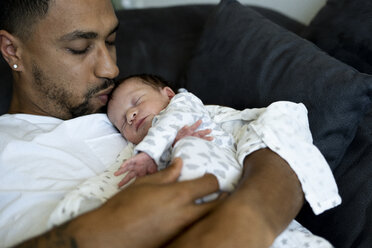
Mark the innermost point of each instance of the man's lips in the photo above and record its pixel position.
(103, 95)
(106, 91)
(103, 98)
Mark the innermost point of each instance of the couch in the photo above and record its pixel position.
(247, 57)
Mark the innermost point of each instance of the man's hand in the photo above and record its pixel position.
(190, 131)
(268, 198)
(148, 213)
(137, 166)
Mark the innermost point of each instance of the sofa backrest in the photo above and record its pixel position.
(155, 40)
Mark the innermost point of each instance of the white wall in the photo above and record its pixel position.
(301, 10)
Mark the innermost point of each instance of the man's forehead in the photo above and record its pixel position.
(76, 7)
(80, 16)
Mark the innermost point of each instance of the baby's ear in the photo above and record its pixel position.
(168, 92)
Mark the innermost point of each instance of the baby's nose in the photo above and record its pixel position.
(132, 116)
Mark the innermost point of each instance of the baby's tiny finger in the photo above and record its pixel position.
(196, 125)
(207, 138)
(125, 163)
(126, 179)
(121, 171)
(204, 132)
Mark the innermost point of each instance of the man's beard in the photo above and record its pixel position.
(60, 96)
(84, 108)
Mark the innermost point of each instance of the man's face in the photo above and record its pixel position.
(133, 107)
(70, 58)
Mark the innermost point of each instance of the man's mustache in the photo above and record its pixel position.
(106, 84)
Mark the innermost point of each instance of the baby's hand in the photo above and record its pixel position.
(137, 166)
(190, 131)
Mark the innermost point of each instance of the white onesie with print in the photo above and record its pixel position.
(197, 154)
(282, 126)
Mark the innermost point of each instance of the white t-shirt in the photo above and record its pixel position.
(43, 158)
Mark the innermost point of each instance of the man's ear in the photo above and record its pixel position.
(168, 92)
(9, 49)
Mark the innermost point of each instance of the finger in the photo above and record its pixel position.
(125, 164)
(207, 138)
(126, 179)
(197, 211)
(202, 133)
(200, 187)
(121, 170)
(167, 175)
(184, 128)
(196, 125)
(205, 207)
(194, 212)
(127, 161)
(223, 196)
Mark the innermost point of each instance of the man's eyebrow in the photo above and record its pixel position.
(78, 34)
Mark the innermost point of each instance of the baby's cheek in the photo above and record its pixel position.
(127, 135)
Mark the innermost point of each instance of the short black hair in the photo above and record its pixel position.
(19, 16)
(155, 81)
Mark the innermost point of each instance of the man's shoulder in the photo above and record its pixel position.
(84, 142)
(24, 126)
(15, 119)
(18, 125)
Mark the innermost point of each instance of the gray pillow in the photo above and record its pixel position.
(342, 28)
(243, 60)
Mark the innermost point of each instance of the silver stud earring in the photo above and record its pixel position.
(15, 66)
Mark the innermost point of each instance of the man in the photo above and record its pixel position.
(62, 53)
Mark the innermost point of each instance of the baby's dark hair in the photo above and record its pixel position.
(152, 80)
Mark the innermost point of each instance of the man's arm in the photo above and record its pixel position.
(267, 199)
(146, 214)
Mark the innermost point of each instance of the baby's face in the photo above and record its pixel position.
(134, 105)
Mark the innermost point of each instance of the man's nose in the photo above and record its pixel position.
(106, 63)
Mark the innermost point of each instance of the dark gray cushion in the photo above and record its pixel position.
(350, 224)
(244, 60)
(159, 40)
(162, 40)
(156, 41)
(342, 28)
